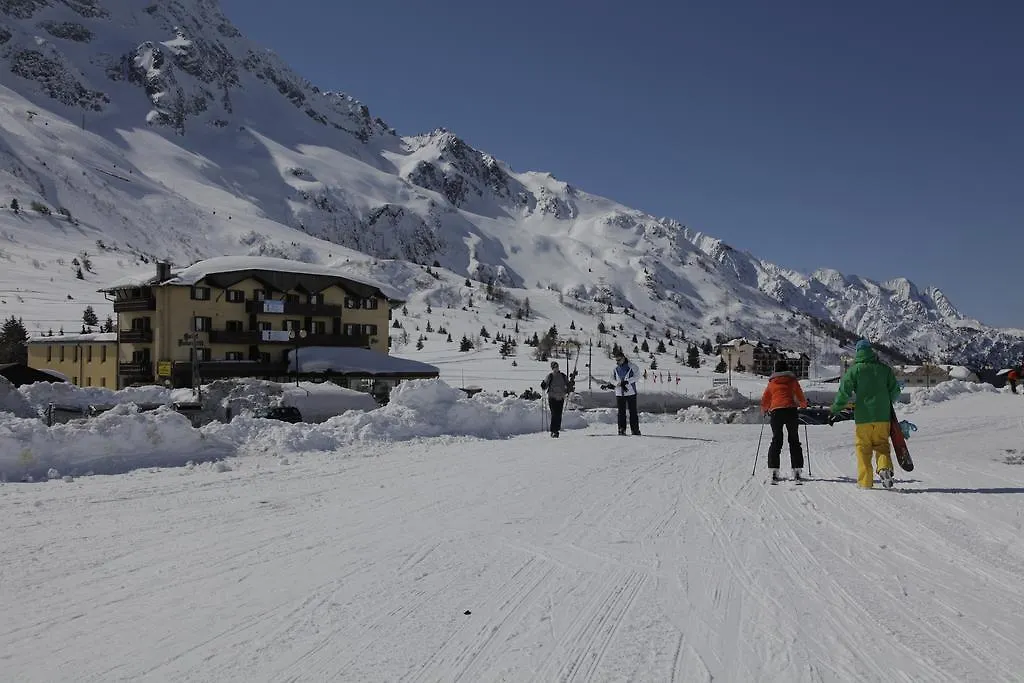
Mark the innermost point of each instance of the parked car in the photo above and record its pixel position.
(283, 413)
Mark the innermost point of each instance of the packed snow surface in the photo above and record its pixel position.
(518, 557)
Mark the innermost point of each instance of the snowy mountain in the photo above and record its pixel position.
(135, 132)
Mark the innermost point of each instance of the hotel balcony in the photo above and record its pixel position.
(256, 307)
(135, 336)
(129, 305)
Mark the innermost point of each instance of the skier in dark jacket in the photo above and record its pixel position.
(558, 386)
(874, 386)
(780, 400)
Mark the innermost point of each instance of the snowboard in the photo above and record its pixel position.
(899, 443)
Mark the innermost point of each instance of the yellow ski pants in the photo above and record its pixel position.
(871, 437)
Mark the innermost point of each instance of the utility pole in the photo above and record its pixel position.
(197, 383)
(590, 365)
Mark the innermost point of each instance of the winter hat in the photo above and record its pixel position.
(781, 366)
(554, 365)
(863, 344)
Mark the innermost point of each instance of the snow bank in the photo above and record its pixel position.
(12, 402)
(117, 441)
(418, 408)
(704, 414)
(41, 394)
(945, 391)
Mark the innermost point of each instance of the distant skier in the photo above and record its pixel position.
(1011, 377)
(624, 378)
(780, 401)
(875, 386)
(558, 386)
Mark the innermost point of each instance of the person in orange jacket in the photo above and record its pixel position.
(1011, 377)
(780, 401)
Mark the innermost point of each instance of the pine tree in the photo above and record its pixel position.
(661, 346)
(654, 365)
(78, 273)
(89, 317)
(706, 347)
(449, 337)
(465, 344)
(484, 333)
(601, 328)
(572, 325)
(108, 325)
(419, 345)
(644, 347)
(635, 340)
(693, 356)
(15, 206)
(13, 338)
(721, 367)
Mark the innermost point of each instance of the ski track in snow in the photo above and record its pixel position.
(619, 559)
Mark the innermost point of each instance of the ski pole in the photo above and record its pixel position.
(758, 451)
(808, 444)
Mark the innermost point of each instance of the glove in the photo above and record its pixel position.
(832, 417)
(543, 386)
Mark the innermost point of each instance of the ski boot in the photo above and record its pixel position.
(886, 477)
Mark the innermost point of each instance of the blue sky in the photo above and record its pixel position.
(883, 139)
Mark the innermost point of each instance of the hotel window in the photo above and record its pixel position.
(351, 302)
(370, 330)
(318, 327)
(89, 357)
(291, 325)
(103, 381)
(201, 323)
(61, 354)
(370, 303)
(351, 330)
(103, 354)
(264, 326)
(234, 326)
(141, 323)
(260, 294)
(74, 379)
(201, 293)
(74, 355)
(291, 298)
(235, 296)
(316, 299)
(201, 354)
(88, 381)
(234, 355)
(49, 353)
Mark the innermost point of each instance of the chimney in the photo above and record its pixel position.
(163, 271)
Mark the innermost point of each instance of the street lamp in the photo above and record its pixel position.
(728, 355)
(295, 336)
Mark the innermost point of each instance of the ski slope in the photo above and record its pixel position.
(588, 558)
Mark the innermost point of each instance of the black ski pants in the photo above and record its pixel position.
(556, 405)
(629, 402)
(790, 419)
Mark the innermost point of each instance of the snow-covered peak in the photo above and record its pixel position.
(159, 132)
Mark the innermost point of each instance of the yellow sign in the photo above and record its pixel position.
(163, 368)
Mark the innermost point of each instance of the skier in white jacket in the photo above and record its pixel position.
(624, 378)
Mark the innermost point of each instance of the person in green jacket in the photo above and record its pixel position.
(874, 386)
